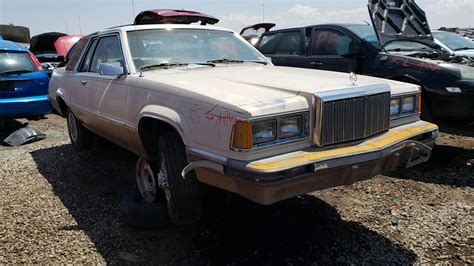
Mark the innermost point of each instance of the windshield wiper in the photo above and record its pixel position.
(259, 62)
(225, 61)
(162, 65)
(16, 72)
(206, 64)
(463, 48)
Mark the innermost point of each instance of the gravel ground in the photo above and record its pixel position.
(57, 206)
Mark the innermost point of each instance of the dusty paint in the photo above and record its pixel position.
(221, 118)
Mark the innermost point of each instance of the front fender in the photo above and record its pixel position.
(166, 115)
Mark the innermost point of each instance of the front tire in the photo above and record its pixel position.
(81, 138)
(182, 194)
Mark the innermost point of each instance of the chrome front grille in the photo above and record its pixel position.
(349, 119)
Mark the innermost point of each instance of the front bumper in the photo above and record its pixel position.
(285, 176)
(454, 105)
(24, 107)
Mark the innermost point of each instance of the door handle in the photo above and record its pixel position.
(83, 81)
(316, 64)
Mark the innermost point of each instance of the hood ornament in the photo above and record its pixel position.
(353, 79)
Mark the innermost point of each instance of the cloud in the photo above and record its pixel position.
(296, 16)
(450, 13)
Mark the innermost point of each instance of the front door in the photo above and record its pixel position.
(285, 48)
(102, 100)
(332, 50)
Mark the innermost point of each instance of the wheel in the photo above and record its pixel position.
(182, 194)
(81, 138)
(137, 213)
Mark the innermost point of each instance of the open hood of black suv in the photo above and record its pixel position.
(399, 20)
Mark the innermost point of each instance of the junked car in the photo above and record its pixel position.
(454, 43)
(399, 46)
(200, 104)
(23, 83)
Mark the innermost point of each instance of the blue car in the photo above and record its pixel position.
(23, 83)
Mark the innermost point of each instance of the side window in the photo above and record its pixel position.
(286, 43)
(327, 42)
(108, 51)
(87, 59)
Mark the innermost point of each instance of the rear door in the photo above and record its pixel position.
(332, 49)
(285, 48)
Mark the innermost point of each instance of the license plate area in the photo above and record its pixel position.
(7, 85)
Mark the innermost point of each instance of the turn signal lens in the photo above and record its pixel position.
(242, 137)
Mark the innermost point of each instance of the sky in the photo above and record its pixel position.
(87, 16)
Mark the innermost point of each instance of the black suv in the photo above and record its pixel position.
(388, 50)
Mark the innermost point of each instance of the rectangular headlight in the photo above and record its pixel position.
(291, 126)
(408, 104)
(264, 131)
(394, 107)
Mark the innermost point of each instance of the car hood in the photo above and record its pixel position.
(399, 20)
(251, 84)
(465, 53)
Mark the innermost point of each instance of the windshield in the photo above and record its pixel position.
(367, 33)
(16, 63)
(180, 47)
(454, 41)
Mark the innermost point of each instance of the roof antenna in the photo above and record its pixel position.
(366, 22)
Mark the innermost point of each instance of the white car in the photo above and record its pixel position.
(454, 43)
(200, 104)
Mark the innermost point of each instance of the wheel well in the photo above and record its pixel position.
(150, 129)
(62, 106)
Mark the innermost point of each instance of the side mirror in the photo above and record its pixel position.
(111, 70)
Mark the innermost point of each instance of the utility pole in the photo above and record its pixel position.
(263, 11)
(67, 27)
(80, 27)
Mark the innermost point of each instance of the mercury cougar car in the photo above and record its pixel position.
(200, 104)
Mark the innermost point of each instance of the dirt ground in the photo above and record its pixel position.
(57, 206)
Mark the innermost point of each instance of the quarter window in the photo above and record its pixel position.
(326, 42)
(284, 43)
(108, 51)
(87, 60)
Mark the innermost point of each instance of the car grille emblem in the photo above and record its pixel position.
(353, 79)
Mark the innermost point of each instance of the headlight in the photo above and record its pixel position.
(454, 89)
(286, 128)
(394, 107)
(291, 127)
(264, 131)
(408, 104)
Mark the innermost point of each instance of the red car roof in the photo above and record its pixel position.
(170, 16)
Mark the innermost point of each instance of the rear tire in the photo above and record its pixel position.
(81, 138)
(182, 194)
